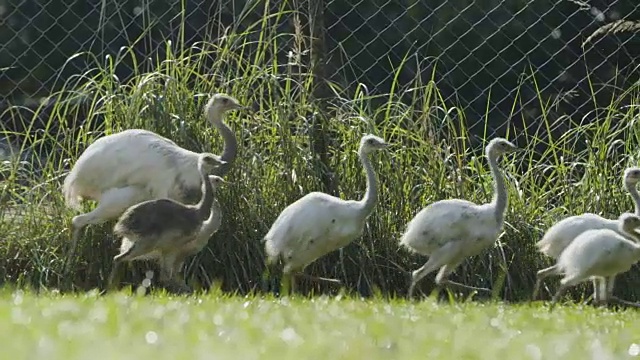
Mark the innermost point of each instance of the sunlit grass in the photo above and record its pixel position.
(217, 326)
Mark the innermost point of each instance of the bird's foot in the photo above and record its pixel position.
(178, 288)
(451, 284)
(618, 301)
(317, 278)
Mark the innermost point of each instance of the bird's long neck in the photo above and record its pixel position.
(230, 150)
(500, 196)
(210, 226)
(370, 198)
(633, 191)
(631, 234)
(204, 205)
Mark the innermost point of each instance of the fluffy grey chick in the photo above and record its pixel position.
(157, 229)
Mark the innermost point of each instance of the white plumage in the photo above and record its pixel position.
(449, 231)
(318, 223)
(132, 166)
(563, 233)
(601, 253)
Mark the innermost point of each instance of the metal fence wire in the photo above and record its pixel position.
(485, 56)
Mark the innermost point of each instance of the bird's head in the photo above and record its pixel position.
(500, 146)
(217, 181)
(219, 103)
(371, 142)
(629, 223)
(632, 175)
(209, 162)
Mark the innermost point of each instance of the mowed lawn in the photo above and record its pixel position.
(215, 326)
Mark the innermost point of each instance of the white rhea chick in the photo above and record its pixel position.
(319, 223)
(449, 231)
(123, 169)
(601, 253)
(161, 228)
(562, 233)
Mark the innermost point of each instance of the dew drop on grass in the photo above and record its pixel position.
(159, 311)
(151, 337)
(495, 322)
(242, 315)
(534, 352)
(634, 349)
(45, 345)
(289, 335)
(98, 314)
(598, 351)
(183, 316)
(389, 345)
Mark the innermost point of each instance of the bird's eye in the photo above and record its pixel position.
(225, 101)
(370, 141)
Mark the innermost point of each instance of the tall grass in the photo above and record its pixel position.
(434, 157)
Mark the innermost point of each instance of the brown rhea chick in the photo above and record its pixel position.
(157, 229)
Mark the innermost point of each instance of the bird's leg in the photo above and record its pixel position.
(292, 284)
(608, 283)
(342, 267)
(169, 277)
(507, 280)
(411, 288)
(558, 295)
(75, 235)
(609, 297)
(286, 284)
(443, 280)
(430, 266)
(178, 267)
(540, 276)
(179, 287)
(599, 291)
(115, 276)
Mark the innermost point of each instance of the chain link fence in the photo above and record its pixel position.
(485, 56)
(521, 64)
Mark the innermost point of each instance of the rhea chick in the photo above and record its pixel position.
(601, 253)
(160, 228)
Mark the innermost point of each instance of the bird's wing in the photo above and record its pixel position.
(155, 216)
(456, 220)
(127, 159)
(315, 216)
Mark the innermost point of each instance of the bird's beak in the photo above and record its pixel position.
(243, 108)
